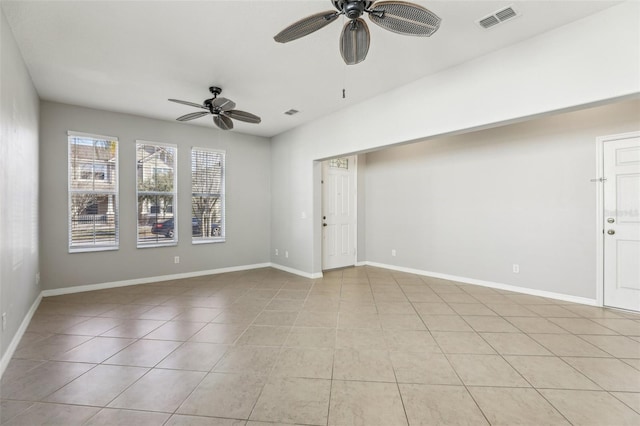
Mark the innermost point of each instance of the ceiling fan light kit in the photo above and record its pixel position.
(396, 16)
(222, 109)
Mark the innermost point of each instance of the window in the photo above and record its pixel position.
(339, 163)
(207, 195)
(93, 192)
(156, 190)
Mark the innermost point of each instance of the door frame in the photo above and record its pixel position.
(600, 140)
(355, 209)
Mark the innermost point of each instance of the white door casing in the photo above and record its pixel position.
(339, 219)
(621, 221)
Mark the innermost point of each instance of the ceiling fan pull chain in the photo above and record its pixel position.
(344, 81)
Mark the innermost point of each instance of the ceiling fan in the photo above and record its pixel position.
(222, 110)
(396, 16)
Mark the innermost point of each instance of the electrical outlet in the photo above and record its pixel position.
(393, 252)
(286, 254)
(516, 268)
(176, 259)
(276, 252)
(4, 321)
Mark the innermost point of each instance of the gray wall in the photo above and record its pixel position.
(475, 204)
(18, 187)
(248, 192)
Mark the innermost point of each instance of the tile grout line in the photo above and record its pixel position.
(380, 289)
(448, 361)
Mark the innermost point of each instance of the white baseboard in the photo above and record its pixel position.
(500, 286)
(312, 275)
(18, 336)
(148, 280)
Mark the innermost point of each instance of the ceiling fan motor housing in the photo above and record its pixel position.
(352, 8)
(208, 103)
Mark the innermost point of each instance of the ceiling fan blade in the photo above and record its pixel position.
(193, 104)
(192, 115)
(224, 104)
(405, 18)
(306, 26)
(247, 117)
(354, 42)
(223, 122)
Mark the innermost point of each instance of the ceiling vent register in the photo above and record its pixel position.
(498, 17)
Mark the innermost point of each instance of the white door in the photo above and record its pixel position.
(622, 223)
(339, 219)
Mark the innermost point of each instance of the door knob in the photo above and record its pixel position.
(610, 220)
(611, 232)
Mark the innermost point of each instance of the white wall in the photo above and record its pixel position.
(247, 200)
(588, 61)
(18, 187)
(475, 204)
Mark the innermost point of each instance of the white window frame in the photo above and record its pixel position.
(95, 246)
(222, 237)
(174, 205)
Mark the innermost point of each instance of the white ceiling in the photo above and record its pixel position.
(130, 56)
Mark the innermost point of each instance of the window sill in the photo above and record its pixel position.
(156, 245)
(208, 241)
(92, 249)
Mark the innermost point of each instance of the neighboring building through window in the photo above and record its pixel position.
(207, 195)
(156, 193)
(93, 192)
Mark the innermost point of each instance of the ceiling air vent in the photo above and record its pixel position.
(498, 17)
(505, 14)
(292, 112)
(489, 21)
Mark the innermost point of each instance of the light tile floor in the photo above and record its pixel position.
(362, 346)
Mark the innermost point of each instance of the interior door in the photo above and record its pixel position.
(339, 218)
(622, 223)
